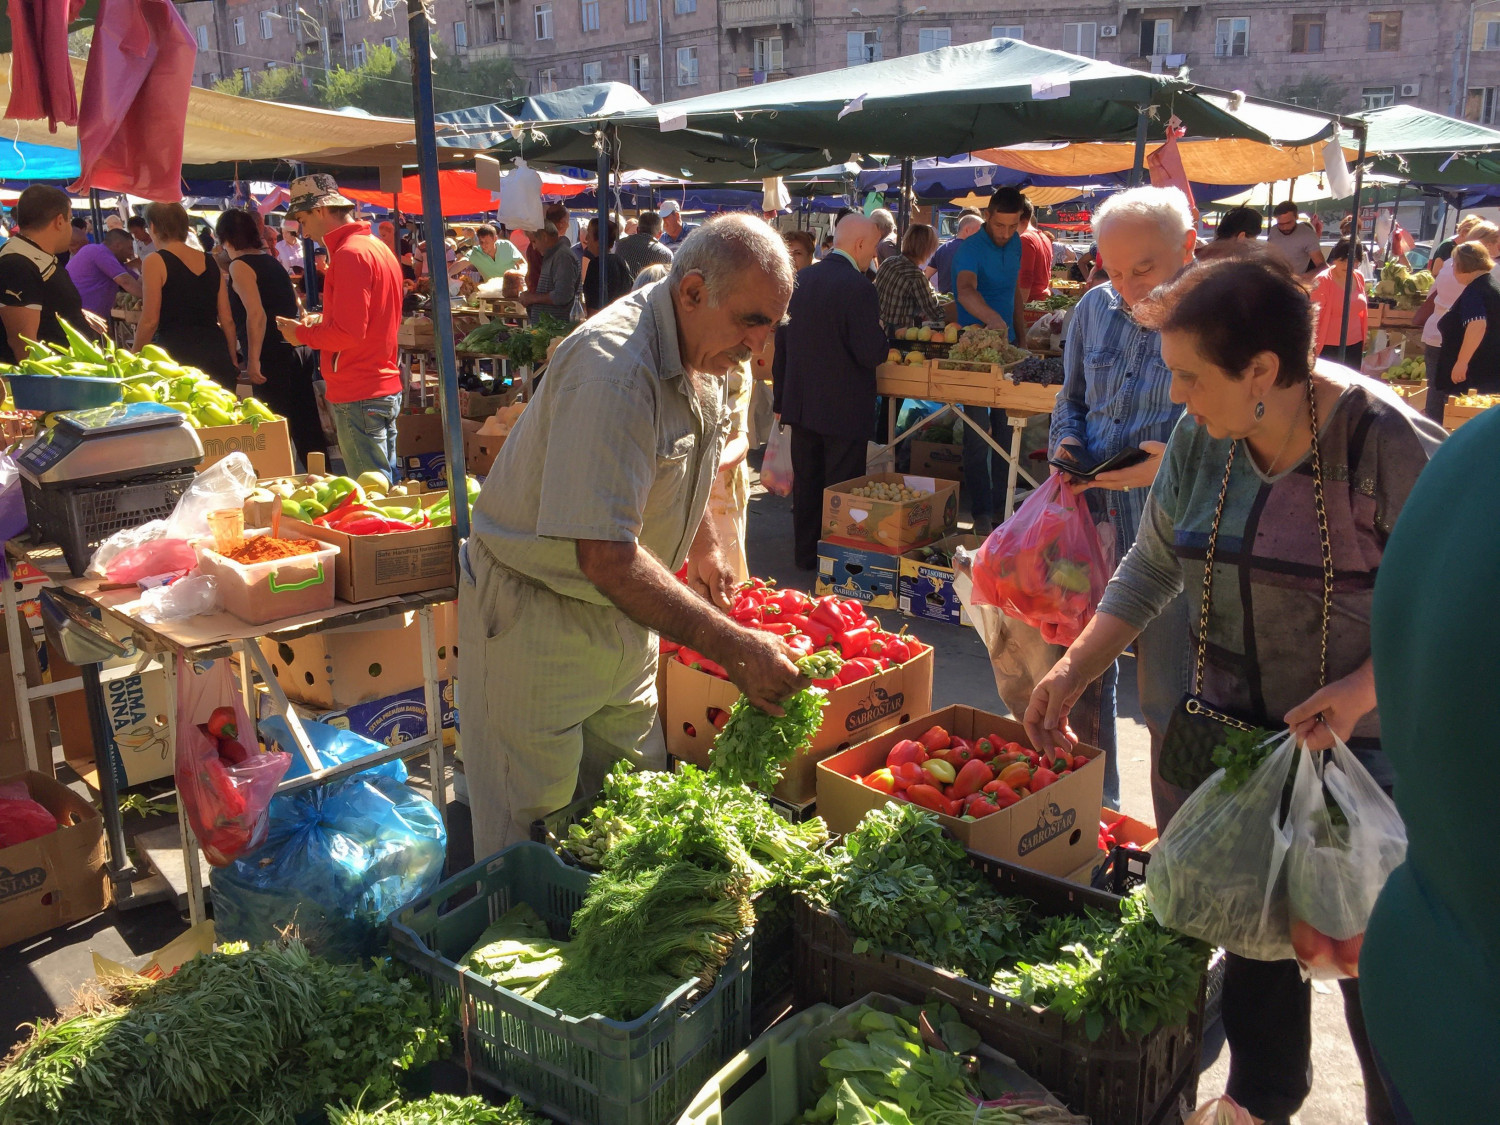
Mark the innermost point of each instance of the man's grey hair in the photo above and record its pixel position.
(728, 246)
(972, 222)
(1166, 207)
(884, 220)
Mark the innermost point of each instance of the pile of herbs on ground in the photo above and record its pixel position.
(880, 1069)
(754, 746)
(439, 1109)
(900, 884)
(679, 858)
(257, 1037)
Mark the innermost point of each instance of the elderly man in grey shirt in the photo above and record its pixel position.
(598, 496)
(561, 274)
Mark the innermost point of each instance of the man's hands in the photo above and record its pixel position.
(1335, 709)
(760, 665)
(710, 574)
(288, 328)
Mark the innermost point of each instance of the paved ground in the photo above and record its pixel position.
(38, 977)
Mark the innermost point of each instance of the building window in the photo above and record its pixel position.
(1081, 38)
(684, 7)
(635, 11)
(1484, 105)
(460, 35)
(593, 72)
(769, 54)
(542, 16)
(351, 9)
(864, 46)
(1156, 37)
(357, 54)
(272, 65)
(639, 67)
(931, 38)
(1307, 34)
(687, 66)
(1384, 31)
(1491, 36)
(245, 83)
(589, 9)
(1377, 97)
(393, 42)
(200, 33)
(211, 78)
(1007, 31)
(266, 27)
(239, 31)
(1232, 37)
(546, 80)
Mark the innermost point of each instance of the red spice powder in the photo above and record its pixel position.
(262, 548)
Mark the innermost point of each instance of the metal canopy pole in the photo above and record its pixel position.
(1139, 165)
(1359, 183)
(601, 193)
(419, 33)
(903, 219)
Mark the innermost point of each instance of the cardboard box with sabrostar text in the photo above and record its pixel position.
(890, 525)
(341, 667)
(380, 566)
(857, 572)
(925, 587)
(1053, 831)
(267, 444)
(854, 711)
(56, 878)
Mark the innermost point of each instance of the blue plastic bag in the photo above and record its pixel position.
(338, 860)
(333, 744)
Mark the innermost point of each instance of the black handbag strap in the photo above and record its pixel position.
(1324, 543)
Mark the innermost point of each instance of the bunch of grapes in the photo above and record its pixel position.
(1046, 371)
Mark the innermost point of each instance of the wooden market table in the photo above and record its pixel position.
(217, 635)
(957, 385)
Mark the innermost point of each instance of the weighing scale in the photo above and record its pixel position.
(124, 441)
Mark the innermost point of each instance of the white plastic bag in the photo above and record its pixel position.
(224, 484)
(521, 199)
(1218, 871)
(776, 468)
(1346, 839)
(187, 597)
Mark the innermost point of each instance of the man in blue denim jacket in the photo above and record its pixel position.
(1115, 396)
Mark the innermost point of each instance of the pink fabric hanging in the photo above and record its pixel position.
(135, 97)
(41, 78)
(1165, 165)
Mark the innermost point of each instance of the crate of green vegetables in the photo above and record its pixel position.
(1083, 989)
(599, 1000)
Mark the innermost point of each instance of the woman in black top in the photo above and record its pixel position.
(260, 290)
(186, 305)
(1469, 357)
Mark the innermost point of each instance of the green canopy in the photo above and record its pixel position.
(942, 103)
(1432, 148)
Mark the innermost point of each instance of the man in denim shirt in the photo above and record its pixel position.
(1116, 396)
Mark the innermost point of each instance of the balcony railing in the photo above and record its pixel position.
(734, 14)
(500, 49)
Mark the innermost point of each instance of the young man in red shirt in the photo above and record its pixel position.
(356, 334)
(1036, 259)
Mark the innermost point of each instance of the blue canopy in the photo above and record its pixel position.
(20, 160)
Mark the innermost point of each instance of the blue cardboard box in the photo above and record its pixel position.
(390, 720)
(429, 468)
(925, 587)
(859, 573)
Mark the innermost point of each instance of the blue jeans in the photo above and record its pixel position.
(367, 434)
(984, 473)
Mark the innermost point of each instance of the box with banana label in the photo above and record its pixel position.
(890, 512)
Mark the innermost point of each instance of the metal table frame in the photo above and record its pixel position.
(157, 642)
(1012, 456)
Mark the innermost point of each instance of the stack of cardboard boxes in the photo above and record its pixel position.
(863, 539)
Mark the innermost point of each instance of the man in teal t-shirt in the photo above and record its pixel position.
(987, 267)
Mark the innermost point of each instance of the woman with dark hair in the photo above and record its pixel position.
(185, 307)
(1277, 492)
(1328, 304)
(260, 290)
(1239, 223)
(800, 244)
(906, 296)
(1469, 355)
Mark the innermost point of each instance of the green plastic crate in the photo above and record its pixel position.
(590, 1071)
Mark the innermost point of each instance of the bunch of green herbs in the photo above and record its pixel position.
(439, 1109)
(754, 747)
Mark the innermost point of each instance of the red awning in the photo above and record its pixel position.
(460, 191)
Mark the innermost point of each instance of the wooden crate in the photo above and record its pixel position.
(1455, 416)
(1025, 396)
(959, 381)
(1414, 391)
(903, 380)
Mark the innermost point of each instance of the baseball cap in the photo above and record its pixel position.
(670, 207)
(318, 190)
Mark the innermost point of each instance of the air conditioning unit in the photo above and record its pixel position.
(1411, 89)
(1108, 31)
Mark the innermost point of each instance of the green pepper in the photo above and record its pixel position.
(83, 348)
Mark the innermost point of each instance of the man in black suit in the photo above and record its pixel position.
(824, 375)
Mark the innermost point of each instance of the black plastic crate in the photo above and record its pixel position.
(80, 517)
(1111, 1079)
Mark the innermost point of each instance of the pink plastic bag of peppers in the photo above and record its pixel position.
(224, 779)
(1044, 565)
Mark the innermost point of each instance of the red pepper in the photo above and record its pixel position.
(697, 660)
(929, 797)
(797, 621)
(827, 685)
(906, 751)
(800, 643)
(232, 752)
(935, 738)
(852, 612)
(719, 717)
(791, 602)
(973, 777)
(1002, 794)
(780, 628)
(909, 773)
(855, 670)
(853, 642)
(221, 723)
(231, 802)
(1042, 778)
(881, 779)
(826, 614)
(667, 647)
(980, 805)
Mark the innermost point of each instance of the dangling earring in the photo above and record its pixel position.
(1260, 411)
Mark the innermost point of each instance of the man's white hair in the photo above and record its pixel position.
(884, 221)
(727, 247)
(1166, 207)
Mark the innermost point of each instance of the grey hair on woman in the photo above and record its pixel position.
(727, 247)
(652, 273)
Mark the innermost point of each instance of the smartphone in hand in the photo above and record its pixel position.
(1121, 460)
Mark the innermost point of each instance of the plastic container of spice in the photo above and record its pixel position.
(259, 592)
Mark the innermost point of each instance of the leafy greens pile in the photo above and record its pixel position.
(256, 1037)
(900, 884)
(1241, 754)
(439, 1109)
(754, 747)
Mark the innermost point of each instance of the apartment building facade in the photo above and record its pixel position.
(1438, 54)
